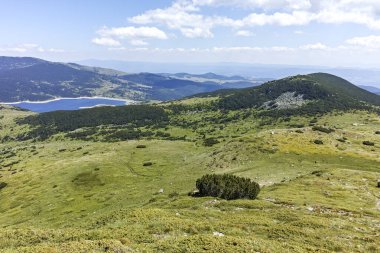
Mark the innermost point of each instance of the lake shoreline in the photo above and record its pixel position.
(128, 101)
(70, 104)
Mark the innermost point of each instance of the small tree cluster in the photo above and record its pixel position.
(227, 186)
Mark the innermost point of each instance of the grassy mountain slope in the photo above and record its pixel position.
(310, 94)
(86, 188)
(339, 86)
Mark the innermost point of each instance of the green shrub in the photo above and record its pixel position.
(318, 142)
(141, 146)
(210, 142)
(313, 121)
(344, 139)
(3, 185)
(146, 164)
(227, 186)
(368, 143)
(377, 132)
(323, 129)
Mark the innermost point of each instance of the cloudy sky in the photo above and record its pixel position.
(296, 32)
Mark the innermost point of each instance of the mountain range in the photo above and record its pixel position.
(35, 79)
(359, 76)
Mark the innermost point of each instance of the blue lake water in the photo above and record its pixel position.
(68, 104)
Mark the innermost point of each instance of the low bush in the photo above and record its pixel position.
(377, 132)
(3, 185)
(227, 186)
(368, 143)
(141, 146)
(318, 142)
(146, 164)
(210, 142)
(323, 129)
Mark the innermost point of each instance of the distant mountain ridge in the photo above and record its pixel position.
(25, 78)
(370, 89)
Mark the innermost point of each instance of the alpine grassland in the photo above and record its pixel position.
(111, 180)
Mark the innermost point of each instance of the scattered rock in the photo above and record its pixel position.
(161, 191)
(218, 234)
(212, 202)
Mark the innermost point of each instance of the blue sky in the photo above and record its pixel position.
(297, 32)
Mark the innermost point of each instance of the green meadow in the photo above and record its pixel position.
(70, 195)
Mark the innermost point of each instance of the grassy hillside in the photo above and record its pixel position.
(89, 192)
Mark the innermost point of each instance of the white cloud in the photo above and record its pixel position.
(133, 32)
(106, 42)
(254, 4)
(316, 46)
(29, 48)
(187, 16)
(179, 17)
(244, 33)
(370, 42)
(138, 43)
(137, 36)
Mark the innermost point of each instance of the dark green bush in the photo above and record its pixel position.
(368, 143)
(323, 129)
(141, 146)
(377, 132)
(344, 139)
(146, 164)
(318, 142)
(210, 142)
(313, 121)
(3, 185)
(227, 186)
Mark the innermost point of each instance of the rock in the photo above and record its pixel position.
(212, 202)
(161, 191)
(310, 209)
(218, 234)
